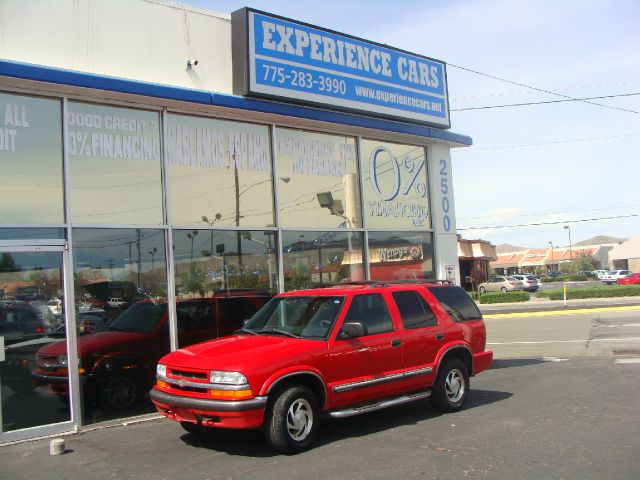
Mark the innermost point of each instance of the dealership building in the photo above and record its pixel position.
(160, 156)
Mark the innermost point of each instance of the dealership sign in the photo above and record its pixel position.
(281, 58)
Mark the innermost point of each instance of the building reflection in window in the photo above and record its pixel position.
(120, 289)
(320, 258)
(400, 255)
(222, 164)
(222, 278)
(319, 180)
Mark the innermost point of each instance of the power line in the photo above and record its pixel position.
(495, 227)
(538, 89)
(556, 89)
(487, 107)
(574, 140)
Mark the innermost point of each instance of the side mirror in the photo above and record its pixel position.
(352, 330)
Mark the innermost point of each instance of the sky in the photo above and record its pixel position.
(554, 164)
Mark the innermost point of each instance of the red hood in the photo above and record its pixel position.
(246, 352)
(102, 343)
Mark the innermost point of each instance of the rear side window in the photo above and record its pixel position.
(372, 311)
(235, 310)
(414, 311)
(457, 303)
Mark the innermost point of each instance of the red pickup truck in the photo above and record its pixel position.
(332, 352)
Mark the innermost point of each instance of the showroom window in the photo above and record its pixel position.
(219, 172)
(400, 255)
(31, 175)
(319, 258)
(318, 180)
(222, 278)
(120, 290)
(114, 157)
(395, 186)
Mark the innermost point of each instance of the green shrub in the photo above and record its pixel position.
(507, 297)
(473, 295)
(593, 292)
(559, 278)
(580, 277)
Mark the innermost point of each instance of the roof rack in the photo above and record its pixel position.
(384, 283)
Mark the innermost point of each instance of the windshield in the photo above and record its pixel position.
(305, 317)
(142, 317)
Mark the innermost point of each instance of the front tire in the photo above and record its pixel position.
(482, 289)
(503, 289)
(451, 388)
(291, 421)
(121, 391)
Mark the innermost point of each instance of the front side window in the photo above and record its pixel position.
(370, 310)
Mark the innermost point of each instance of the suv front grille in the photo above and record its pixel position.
(188, 374)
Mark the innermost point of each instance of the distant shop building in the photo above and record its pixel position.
(475, 257)
(545, 260)
(626, 256)
(158, 153)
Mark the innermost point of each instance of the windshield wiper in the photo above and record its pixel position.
(245, 330)
(281, 332)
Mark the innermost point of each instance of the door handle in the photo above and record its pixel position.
(395, 343)
(440, 336)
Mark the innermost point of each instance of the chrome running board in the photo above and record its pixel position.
(370, 407)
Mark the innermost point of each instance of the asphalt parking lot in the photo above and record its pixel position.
(560, 402)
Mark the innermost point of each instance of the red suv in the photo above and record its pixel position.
(117, 365)
(332, 352)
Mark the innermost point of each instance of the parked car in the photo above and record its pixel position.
(613, 276)
(600, 273)
(634, 278)
(330, 352)
(501, 283)
(555, 273)
(529, 282)
(116, 302)
(117, 364)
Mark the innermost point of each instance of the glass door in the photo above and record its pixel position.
(35, 382)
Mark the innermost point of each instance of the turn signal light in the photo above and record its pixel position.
(231, 394)
(161, 384)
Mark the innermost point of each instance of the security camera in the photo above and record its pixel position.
(192, 63)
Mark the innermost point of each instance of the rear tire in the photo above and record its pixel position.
(482, 290)
(291, 421)
(451, 388)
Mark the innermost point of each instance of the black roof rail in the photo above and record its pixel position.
(383, 283)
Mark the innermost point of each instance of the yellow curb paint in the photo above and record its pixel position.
(548, 313)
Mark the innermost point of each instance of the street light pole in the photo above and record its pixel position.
(551, 245)
(567, 227)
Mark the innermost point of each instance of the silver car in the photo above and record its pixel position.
(501, 283)
(530, 283)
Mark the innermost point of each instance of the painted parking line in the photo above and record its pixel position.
(584, 340)
(548, 313)
(627, 360)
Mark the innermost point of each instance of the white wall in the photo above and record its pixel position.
(147, 40)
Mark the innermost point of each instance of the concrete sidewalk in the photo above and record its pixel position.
(544, 304)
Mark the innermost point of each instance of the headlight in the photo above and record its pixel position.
(63, 360)
(161, 370)
(227, 378)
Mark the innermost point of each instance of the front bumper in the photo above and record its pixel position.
(210, 413)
